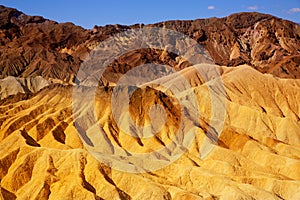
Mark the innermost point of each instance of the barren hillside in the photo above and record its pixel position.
(49, 148)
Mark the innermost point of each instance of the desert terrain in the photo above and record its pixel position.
(48, 152)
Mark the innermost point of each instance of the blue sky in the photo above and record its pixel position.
(88, 13)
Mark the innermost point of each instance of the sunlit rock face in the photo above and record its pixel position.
(44, 154)
(34, 46)
(257, 154)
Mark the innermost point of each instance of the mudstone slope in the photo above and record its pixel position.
(257, 155)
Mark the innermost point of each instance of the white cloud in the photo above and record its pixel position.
(211, 7)
(253, 7)
(294, 10)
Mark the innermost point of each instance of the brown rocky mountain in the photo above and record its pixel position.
(34, 46)
(47, 146)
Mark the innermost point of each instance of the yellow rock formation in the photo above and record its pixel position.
(256, 157)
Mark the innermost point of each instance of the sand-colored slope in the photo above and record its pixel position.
(257, 155)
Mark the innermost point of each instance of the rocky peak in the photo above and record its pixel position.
(34, 46)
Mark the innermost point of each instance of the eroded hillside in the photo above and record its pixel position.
(49, 146)
(257, 155)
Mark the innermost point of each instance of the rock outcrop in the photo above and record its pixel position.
(34, 46)
(45, 154)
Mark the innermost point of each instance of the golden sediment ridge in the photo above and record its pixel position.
(256, 157)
